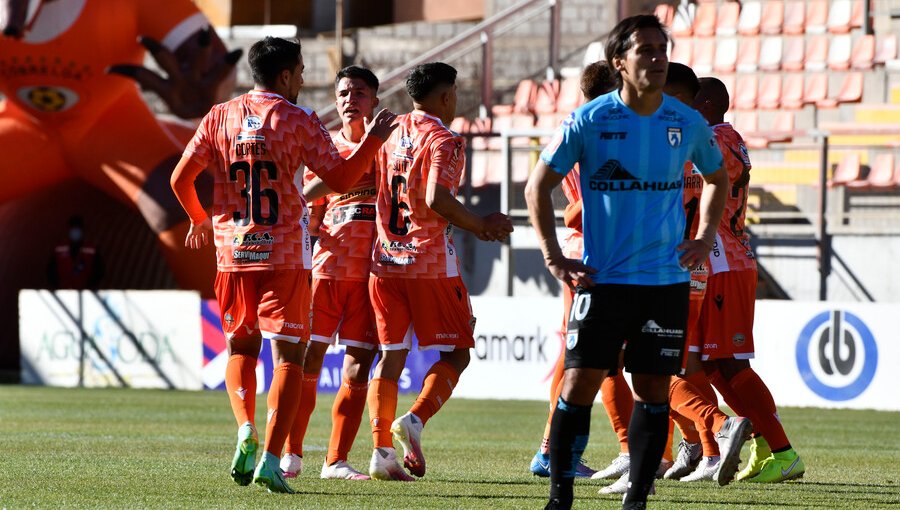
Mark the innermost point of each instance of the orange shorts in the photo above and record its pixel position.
(342, 308)
(271, 304)
(726, 320)
(438, 310)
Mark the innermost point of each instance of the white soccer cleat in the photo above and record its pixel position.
(384, 466)
(407, 430)
(620, 486)
(731, 437)
(706, 470)
(291, 465)
(615, 469)
(342, 470)
(689, 455)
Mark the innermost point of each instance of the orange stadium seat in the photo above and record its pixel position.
(460, 125)
(857, 13)
(793, 54)
(705, 20)
(545, 99)
(839, 16)
(726, 23)
(881, 175)
(726, 55)
(665, 13)
(816, 53)
(782, 127)
(523, 101)
(863, 54)
(816, 16)
(745, 95)
(770, 53)
(794, 17)
(770, 92)
(772, 17)
(747, 124)
(570, 96)
(682, 51)
(748, 54)
(839, 52)
(850, 91)
(816, 88)
(887, 49)
(792, 93)
(704, 54)
(847, 170)
(749, 22)
(682, 21)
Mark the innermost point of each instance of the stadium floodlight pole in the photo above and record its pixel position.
(823, 243)
(553, 65)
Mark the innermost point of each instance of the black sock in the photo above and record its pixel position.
(568, 438)
(647, 434)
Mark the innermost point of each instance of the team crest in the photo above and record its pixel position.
(571, 339)
(406, 142)
(674, 136)
(252, 123)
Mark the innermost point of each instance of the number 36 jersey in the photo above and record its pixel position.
(412, 240)
(256, 146)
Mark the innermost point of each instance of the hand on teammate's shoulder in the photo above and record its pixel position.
(382, 125)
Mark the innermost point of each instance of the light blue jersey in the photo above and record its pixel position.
(632, 170)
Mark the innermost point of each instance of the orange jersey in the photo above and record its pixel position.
(412, 240)
(731, 250)
(344, 250)
(71, 88)
(257, 145)
(693, 188)
(573, 242)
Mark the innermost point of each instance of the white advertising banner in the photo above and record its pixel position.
(808, 353)
(138, 339)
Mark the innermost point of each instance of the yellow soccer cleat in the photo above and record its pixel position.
(780, 467)
(759, 452)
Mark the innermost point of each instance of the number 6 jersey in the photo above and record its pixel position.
(412, 240)
(257, 145)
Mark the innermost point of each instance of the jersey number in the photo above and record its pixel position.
(398, 186)
(691, 208)
(739, 186)
(253, 192)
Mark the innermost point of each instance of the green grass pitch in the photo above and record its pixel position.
(67, 448)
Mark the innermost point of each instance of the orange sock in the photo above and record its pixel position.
(556, 390)
(346, 414)
(701, 383)
(382, 400)
(240, 383)
(284, 399)
(619, 403)
(686, 427)
(686, 401)
(308, 390)
(436, 390)
(728, 395)
(761, 406)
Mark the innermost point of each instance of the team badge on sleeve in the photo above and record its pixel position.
(674, 136)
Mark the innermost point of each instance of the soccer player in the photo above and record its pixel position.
(340, 294)
(631, 145)
(596, 79)
(415, 284)
(727, 314)
(255, 143)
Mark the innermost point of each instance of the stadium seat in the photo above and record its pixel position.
(726, 55)
(704, 54)
(816, 16)
(770, 92)
(748, 55)
(570, 96)
(816, 88)
(792, 93)
(770, 53)
(816, 53)
(705, 20)
(793, 54)
(726, 23)
(729, 80)
(523, 101)
(460, 125)
(747, 124)
(839, 53)
(782, 127)
(745, 95)
(881, 174)
(794, 17)
(847, 170)
(887, 49)
(594, 52)
(839, 16)
(545, 97)
(682, 21)
(748, 23)
(665, 13)
(682, 51)
(772, 17)
(863, 54)
(850, 91)
(857, 13)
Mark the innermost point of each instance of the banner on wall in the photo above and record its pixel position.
(137, 339)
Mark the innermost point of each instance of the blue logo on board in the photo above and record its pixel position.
(837, 355)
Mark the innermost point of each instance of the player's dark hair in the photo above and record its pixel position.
(270, 56)
(360, 73)
(619, 40)
(425, 78)
(716, 93)
(683, 77)
(597, 79)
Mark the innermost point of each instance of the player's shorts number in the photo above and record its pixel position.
(398, 186)
(253, 192)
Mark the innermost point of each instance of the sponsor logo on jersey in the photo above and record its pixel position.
(247, 137)
(670, 115)
(670, 353)
(292, 325)
(253, 239)
(615, 113)
(613, 135)
(653, 328)
(251, 123)
(353, 212)
(612, 176)
(397, 246)
(395, 261)
(250, 256)
(673, 135)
